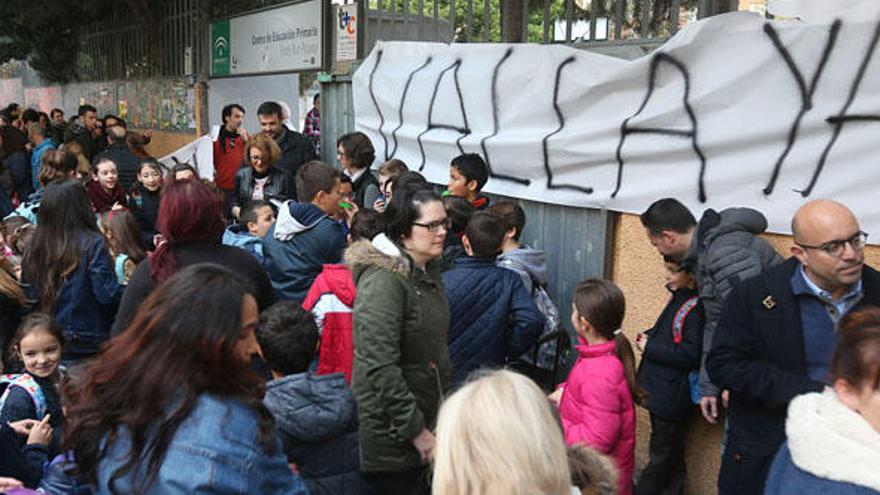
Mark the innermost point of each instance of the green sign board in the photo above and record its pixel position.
(220, 48)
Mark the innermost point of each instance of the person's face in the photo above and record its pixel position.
(270, 124)
(830, 272)
(44, 121)
(577, 322)
(106, 174)
(90, 120)
(150, 178)
(40, 352)
(265, 219)
(182, 175)
(255, 156)
(668, 243)
(864, 399)
(343, 157)
(247, 345)
(383, 183)
(111, 122)
(458, 184)
(235, 119)
(329, 202)
(425, 242)
(318, 104)
(345, 191)
(58, 118)
(677, 279)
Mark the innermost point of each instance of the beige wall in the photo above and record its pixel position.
(638, 270)
(164, 142)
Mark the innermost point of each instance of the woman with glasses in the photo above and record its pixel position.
(401, 319)
(261, 180)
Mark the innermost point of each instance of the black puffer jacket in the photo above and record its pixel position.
(317, 420)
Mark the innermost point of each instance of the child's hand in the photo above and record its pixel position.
(41, 433)
(24, 426)
(641, 342)
(556, 396)
(379, 206)
(9, 483)
(117, 206)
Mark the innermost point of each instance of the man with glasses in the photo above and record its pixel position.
(777, 332)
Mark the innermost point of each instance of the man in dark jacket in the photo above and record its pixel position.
(777, 332)
(83, 131)
(296, 149)
(492, 317)
(118, 151)
(305, 236)
(723, 248)
(316, 415)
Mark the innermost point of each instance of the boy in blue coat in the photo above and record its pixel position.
(671, 350)
(492, 317)
(257, 218)
(315, 414)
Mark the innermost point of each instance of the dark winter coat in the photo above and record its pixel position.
(236, 259)
(278, 186)
(296, 149)
(296, 248)
(725, 248)
(759, 356)
(126, 163)
(18, 165)
(144, 204)
(663, 372)
(401, 365)
(316, 418)
(77, 132)
(493, 317)
(87, 299)
(22, 463)
(10, 317)
(20, 405)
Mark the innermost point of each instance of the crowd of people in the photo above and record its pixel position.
(293, 326)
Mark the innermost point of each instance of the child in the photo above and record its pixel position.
(389, 171)
(596, 402)
(33, 394)
(459, 211)
(530, 265)
(315, 415)
(305, 236)
(124, 240)
(492, 317)
(331, 299)
(104, 191)
(143, 199)
(672, 349)
(468, 173)
(257, 218)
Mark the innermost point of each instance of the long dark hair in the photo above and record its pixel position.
(405, 207)
(65, 215)
(602, 304)
(180, 345)
(125, 236)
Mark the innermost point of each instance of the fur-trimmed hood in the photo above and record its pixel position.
(831, 441)
(381, 252)
(592, 471)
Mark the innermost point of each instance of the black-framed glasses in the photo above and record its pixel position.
(434, 227)
(836, 247)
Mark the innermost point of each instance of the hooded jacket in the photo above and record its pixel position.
(316, 417)
(297, 247)
(597, 408)
(401, 365)
(237, 235)
(331, 299)
(493, 319)
(725, 249)
(830, 449)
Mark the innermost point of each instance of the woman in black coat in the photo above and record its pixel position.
(261, 179)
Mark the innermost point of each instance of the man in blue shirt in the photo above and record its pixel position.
(777, 332)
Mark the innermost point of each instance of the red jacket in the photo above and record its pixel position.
(330, 299)
(227, 161)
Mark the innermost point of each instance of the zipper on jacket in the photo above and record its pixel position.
(440, 394)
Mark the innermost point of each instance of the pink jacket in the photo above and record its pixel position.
(597, 408)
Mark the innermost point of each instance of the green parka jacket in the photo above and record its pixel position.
(401, 364)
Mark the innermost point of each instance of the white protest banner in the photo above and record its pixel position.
(199, 154)
(732, 111)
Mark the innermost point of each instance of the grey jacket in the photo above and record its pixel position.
(317, 422)
(725, 249)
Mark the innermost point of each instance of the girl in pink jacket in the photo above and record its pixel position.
(596, 405)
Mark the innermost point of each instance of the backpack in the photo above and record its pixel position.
(26, 382)
(677, 328)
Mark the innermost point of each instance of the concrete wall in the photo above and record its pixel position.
(638, 270)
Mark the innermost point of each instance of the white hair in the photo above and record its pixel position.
(497, 435)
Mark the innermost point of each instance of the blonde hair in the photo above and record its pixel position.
(497, 435)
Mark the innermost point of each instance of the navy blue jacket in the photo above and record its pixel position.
(786, 477)
(492, 316)
(24, 464)
(298, 246)
(317, 421)
(86, 302)
(758, 354)
(20, 405)
(663, 372)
